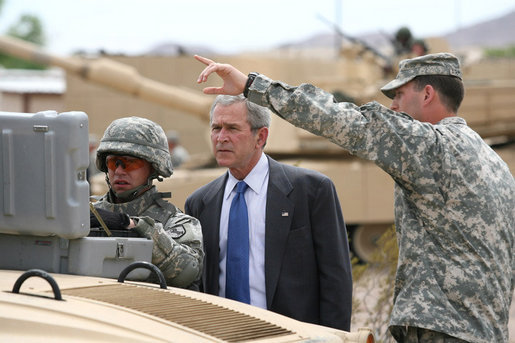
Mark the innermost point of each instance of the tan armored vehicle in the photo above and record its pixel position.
(155, 87)
(41, 307)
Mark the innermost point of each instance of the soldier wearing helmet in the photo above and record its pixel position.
(132, 153)
(403, 41)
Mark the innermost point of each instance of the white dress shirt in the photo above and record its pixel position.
(255, 197)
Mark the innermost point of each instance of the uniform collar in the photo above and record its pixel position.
(452, 120)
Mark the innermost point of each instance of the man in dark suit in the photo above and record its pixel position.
(298, 258)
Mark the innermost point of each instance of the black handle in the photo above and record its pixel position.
(146, 265)
(42, 274)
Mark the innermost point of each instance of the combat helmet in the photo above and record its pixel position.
(403, 34)
(403, 41)
(138, 137)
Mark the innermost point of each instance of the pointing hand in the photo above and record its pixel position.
(234, 80)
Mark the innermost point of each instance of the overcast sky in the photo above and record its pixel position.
(230, 26)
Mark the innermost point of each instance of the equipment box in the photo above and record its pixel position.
(91, 256)
(43, 162)
(44, 200)
(107, 257)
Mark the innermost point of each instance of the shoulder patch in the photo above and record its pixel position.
(177, 232)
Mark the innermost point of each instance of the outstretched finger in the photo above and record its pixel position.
(204, 60)
(208, 70)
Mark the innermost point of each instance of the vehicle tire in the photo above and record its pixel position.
(363, 241)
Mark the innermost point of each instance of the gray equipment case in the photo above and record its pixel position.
(44, 200)
(44, 157)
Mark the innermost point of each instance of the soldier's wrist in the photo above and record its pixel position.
(250, 79)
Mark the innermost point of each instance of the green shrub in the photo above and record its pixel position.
(506, 52)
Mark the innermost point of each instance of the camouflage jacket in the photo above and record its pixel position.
(454, 208)
(177, 237)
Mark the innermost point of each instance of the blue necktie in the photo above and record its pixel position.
(237, 264)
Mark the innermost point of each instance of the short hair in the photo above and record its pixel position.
(257, 116)
(450, 88)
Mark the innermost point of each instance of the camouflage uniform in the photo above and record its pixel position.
(177, 237)
(454, 208)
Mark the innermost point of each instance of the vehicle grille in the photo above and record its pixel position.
(217, 321)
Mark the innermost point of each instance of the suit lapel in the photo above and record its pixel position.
(279, 215)
(212, 203)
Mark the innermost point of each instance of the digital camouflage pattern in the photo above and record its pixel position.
(177, 237)
(433, 64)
(454, 208)
(138, 137)
(417, 335)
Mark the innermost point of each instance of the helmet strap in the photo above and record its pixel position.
(133, 193)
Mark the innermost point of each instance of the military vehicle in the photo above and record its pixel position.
(111, 88)
(60, 283)
(38, 307)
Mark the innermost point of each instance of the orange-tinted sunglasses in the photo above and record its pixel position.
(126, 162)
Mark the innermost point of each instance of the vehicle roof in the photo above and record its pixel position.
(104, 310)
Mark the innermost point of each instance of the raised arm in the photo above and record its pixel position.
(234, 80)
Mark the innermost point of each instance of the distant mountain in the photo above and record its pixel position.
(496, 33)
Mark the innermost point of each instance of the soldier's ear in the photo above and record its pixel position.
(429, 94)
